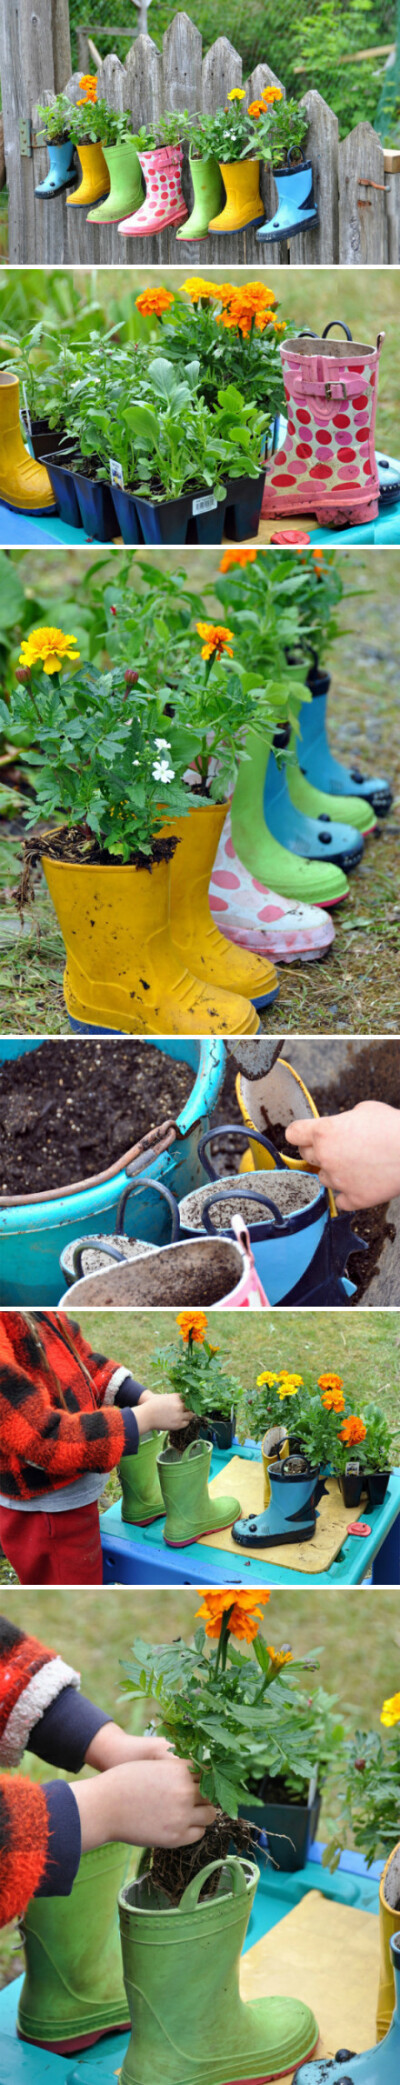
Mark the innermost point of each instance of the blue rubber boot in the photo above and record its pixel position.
(296, 207)
(62, 172)
(315, 839)
(379, 2066)
(291, 1513)
(319, 764)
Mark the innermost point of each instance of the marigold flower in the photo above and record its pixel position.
(237, 94)
(271, 94)
(154, 302)
(352, 1431)
(391, 1711)
(279, 1658)
(266, 1377)
(49, 647)
(197, 288)
(255, 109)
(215, 640)
(236, 557)
(287, 1375)
(333, 1401)
(89, 83)
(243, 1619)
(330, 1382)
(192, 1325)
(289, 1388)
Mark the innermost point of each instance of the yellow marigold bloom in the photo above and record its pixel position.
(237, 557)
(287, 1375)
(330, 1382)
(391, 1711)
(243, 1619)
(154, 302)
(268, 1378)
(237, 94)
(215, 640)
(196, 288)
(279, 1658)
(289, 1388)
(49, 648)
(192, 1325)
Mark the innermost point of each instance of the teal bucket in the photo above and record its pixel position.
(34, 1232)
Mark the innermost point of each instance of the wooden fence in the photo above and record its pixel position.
(359, 205)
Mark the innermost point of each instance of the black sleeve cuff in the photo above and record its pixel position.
(131, 1432)
(66, 1730)
(64, 1847)
(129, 1392)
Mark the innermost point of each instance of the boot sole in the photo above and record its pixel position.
(217, 231)
(104, 220)
(266, 1000)
(187, 1544)
(52, 193)
(83, 206)
(80, 2041)
(272, 1541)
(272, 238)
(30, 513)
(356, 515)
(169, 226)
(148, 1523)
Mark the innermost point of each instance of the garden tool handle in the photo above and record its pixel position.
(336, 322)
(145, 1180)
(95, 1244)
(236, 1129)
(239, 1885)
(224, 1194)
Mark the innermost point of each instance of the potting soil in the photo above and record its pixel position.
(290, 1191)
(157, 1286)
(70, 1109)
(172, 1868)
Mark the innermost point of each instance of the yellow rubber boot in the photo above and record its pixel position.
(389, 1923)
(244, 204)
(123, 971)
(213, 959)
(96, 180)
(24, 485)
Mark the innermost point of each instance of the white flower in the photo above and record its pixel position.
(163, 745)
(162, 772)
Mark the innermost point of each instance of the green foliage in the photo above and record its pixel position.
(168, 441)
(251, 360)
(306, 592)
(230, 134)
(195, 1372)
(369, 1815)
(379, 1439)
(54, 122)
(282, 128)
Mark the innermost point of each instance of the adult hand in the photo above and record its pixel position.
(357, 1154)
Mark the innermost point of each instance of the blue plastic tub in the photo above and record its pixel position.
(32, 1234)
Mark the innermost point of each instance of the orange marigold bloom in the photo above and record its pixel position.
(154, 302)
(330, 1382)
(333, 1401)
(271, 94)
(192, 1324)
(89, 83)
(255, 109)
(244, 1616)
(237, 557)
(353, 1430)
(215, 640)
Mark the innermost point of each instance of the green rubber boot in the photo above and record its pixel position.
(126, 192)
(208, 193)
(181, 1968)
(315, 803)
(318, 883)
(189, 1510)
(142, 1499)
(73, 1991)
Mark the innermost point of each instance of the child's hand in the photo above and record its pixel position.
(143, 1807)
(164, 1411)
(356, 1154)
(114, 1747)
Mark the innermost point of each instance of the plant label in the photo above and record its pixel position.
(354, 1467)
(205, 505)
(116, 473)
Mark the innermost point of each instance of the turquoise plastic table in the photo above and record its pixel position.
(138, 1556)
(277, 1894)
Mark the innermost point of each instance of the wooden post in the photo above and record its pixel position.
(111, 84)
(363, 224)
(182, 87)
(28, 70)
(144, 99)
(320, 247)
(222, 69)
(83, 50)
(259, 254)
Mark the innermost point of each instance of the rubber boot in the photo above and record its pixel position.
(126, 185)
(207, 197)
(266, 859)
(389, 1915)
(122, 969)
(319, 764)
(95, 181)
(190, 1511)
(244, 204)
(194, 934)
(181, 1970)
(317, 803)
(291, 1513)
(379, 2066)
(164, 204)
(73, 1991)
(327, 465)
(142, 1499)
(297, 210)
(322, 839)
(61, 173)
(255, 917)
(24, 485)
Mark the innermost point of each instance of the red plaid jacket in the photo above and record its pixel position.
(31, 1677)
(57, 1416)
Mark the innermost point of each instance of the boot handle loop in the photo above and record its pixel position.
(235, 1129)
(226, 1194)
(336, 322)
(239, 1885)
(93, 1244)
(289, 157)
(146, 1180)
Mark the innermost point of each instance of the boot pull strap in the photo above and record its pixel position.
(94, 1245)
(136, 1187)
(228, 1194)
(336, 322)
(298, 162)
(236, 1873)
(235, 1129)
(379, 342)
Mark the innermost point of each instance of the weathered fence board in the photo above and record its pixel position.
(359, 206)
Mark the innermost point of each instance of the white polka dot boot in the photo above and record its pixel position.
(164, 204)
(327, 465)
(254, 917)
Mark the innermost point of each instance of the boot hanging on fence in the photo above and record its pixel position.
(207, 198)
(297, 211)
(126, 190)
(164, 203)
(327, 465)
(62, 172)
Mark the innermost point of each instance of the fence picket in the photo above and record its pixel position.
(363, 223)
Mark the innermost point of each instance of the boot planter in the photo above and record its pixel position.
(244, 204)
(263, 856)
(24, 484)
(194, 934)
(321, 840)
(196, 517)
(208, 197)
(164, 204)
(254, 917)
(287, 1829)
(389, 1913)
(62, 172)
(190, 1511)
(95, 181)
(73, 1991)
(126, 185)
(205, 1274)
(291, 1513)
(297, 211)
(327, 465)
(379, 2066)
(286, 1212)
(243, 507)
(317, 803)
(109, 917)
(318, 762)
(142, 1500)
(181, 1970)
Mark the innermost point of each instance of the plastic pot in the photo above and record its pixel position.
(352, 1483)
(126, 513)
(218, 1430)
(377, 1483)
(178, 521)
(45, 440)
(289, 1829)
(96, 506)
(62, 482)
(283, 1246)
(243, 507)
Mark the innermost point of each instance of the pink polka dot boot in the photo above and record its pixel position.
(327, 465)
(164, 204)
(257, 918)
